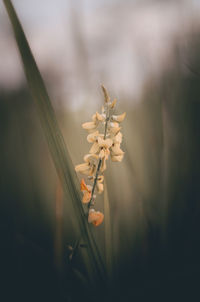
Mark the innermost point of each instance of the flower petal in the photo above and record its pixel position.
(82, 167)
(91, 158)
(95, 217)
(99, 187)
(103, 165)
(100, 178)
(89, 126)
(102, 153)
(100, 117)
(116, 150)
(86, 197)
(94, 148)
(83, 185)
(119, 118)
(92, 137)
(117, 158)
(112, 105)
(114, 130)
(118, 138)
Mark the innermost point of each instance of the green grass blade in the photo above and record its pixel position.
(56, 144)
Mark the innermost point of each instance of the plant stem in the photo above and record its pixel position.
(99, 163)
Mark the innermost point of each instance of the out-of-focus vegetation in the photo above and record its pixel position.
(154, 194)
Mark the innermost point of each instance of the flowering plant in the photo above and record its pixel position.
(103, 145)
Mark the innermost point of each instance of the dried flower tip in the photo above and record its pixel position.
(100, 117)
(106, 96)
(117, 158)
(95, 217)
(112, 105)
(119, 118)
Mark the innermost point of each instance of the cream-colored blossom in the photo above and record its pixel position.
(90, 165)
(101, 146)
(92, 137)
(95, 217)
(104, 145)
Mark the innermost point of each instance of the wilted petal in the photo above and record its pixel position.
(95, 148)
(103, 165)
(118, 138)
(89, 126)
(117, 158)
(116, 150)
(105, 143)
(92, 137)
(99, 187)
(119, 118)
(86, 197)
(82, 168)
(91, 158)
(114, 130)
(100, 178)
(95, 217)
(100, 117)
(106, 152)
(102, 154)
(113, 125)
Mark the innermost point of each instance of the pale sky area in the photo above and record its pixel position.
(80, 44)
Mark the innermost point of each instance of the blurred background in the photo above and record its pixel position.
(147, 54)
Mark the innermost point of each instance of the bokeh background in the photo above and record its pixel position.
(147, 54)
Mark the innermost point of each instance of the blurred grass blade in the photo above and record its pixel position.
(58, 150)
(108, 232)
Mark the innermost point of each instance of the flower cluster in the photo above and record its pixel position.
(103, 145)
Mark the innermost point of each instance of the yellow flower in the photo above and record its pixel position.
(95, 217)
(90, 165)
(87, 191)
